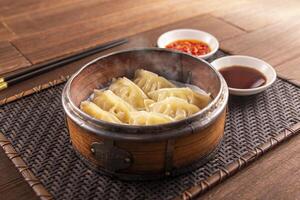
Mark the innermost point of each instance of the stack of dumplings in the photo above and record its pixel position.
(147, 100)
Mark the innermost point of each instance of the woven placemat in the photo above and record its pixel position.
(35, 126)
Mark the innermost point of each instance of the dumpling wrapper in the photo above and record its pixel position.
(95, 111)
(147, 103)
(112, 103)
(174, 107)
(130, 92)
(149, 81)
(200, 100)
(148, 118)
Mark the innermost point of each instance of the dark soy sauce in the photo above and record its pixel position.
(242, 77)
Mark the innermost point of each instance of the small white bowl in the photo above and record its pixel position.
(182, 34)
(251, 62)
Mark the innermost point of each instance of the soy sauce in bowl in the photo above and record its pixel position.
(242, 77)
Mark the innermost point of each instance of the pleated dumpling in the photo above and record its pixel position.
(95, 111)
(130, 92)
(112, 103)
(148, 102)
(200, 100)
(149, 81)
(148, 118)
(174, 107)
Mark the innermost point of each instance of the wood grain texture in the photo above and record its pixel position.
(290, 70)
(23, 169)
(11, 59)
(268, 42)
(274, 176)
(277, 44)
(149, 157)
(10, 8)
(87, 33)
(251, 15)
(145, 39)
(9, 176)
(5, 33)
(257, 14)
(66, 15)
(213, 25)
(29, 17)
(12, 184)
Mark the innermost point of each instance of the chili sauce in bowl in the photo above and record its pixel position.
(194, 47)
(194, 42)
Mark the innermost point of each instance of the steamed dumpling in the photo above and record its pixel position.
(200, 100)
(174, 107)
(112, 103)
(149, 81)
(148, 118)
(95, 111)
(147, 103)
(130, 92)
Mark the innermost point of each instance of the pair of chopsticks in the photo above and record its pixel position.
(9, 80)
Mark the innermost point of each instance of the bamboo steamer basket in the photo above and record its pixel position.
(146, 152)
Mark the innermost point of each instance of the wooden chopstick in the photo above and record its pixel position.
(9, 80)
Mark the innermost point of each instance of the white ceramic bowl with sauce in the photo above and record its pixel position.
(189, 34)
(251, 62)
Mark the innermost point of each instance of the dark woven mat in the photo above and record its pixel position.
(35, 125)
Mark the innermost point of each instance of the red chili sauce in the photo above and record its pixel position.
(194, 47)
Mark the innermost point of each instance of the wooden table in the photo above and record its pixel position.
(36, 31)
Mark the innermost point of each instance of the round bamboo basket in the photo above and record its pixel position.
(146, 152)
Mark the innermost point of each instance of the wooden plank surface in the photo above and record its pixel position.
(78, 36)
(257, 14)
(12, 184)
(277, 44)
(10, 58)
(145, 39)
(10, 8)
(274, 176)
(43, 34)
(5, 33)
(268, 43)
(66, 15)
(37, 30)
(290, 70)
